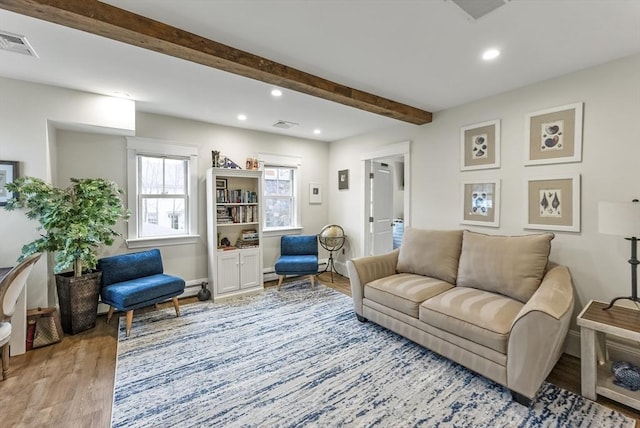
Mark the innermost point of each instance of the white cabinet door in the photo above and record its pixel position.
(250, 268)
(228, 273)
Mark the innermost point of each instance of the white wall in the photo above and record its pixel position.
(238, 144)
(29, 115)
(189, 261)
(57, 134)
(611, 156)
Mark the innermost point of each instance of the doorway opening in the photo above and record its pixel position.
(386, 197)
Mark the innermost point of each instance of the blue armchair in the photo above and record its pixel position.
(134, 280)
(298, 256)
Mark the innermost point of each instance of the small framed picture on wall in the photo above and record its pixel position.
(554, 135)
(315, 193)
(553, 203)
(343, 179)
(481, 203)
(8, 173)
(480, 146)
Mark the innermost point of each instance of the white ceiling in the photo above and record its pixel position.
(425, 53)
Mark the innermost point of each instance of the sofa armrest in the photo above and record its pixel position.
(366, 269)
(537, 335)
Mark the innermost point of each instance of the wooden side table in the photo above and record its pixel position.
(595, 324)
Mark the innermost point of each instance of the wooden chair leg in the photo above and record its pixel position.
(5, 360)
(313, 280)
(109, 314)
(129, 321)
(280, 279)
(176, 305)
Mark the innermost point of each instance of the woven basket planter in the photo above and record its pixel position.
(78, 299)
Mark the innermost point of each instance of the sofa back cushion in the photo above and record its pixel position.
(125, 267)
(510, 265)
(433, 253)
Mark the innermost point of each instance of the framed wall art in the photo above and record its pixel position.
(221, 183)
(8, 173)
(553, 203)
(481, 203)
(343, 179)
(315, 193)
(554, 135)
(480, 146)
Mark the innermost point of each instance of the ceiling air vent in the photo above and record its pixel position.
(283, 124)
(476, 9)
(16, 43)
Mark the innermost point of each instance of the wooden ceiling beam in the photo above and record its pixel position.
(118, 24)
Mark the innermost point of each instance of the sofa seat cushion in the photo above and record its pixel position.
(477, 315)
(404, 291)
(290, 265)
(509, 265)
(143, 291)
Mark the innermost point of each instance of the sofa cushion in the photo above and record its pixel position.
(476, 315)
(125, 267)
(404, 291)
(509, 265)
(291, 265)
(434, 253)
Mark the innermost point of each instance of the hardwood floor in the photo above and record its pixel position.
(70, 384)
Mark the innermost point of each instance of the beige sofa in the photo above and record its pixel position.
(494, 304)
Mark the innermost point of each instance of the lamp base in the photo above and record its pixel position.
(633, 299)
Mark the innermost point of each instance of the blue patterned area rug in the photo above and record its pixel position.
(299, 357)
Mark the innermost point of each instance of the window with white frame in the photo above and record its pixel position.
(281, 193)
(163, 196)
(162, 193)
(279, 200)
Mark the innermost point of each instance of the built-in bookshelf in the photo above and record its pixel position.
(234, 231)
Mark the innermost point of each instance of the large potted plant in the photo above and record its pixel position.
(74, 223)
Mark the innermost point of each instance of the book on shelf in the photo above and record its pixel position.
(240, 196)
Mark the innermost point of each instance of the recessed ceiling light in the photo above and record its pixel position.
(276, 92)
(317, 131)
(490, 54)
(242, 117)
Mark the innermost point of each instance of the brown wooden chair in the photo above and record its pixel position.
(10, 288)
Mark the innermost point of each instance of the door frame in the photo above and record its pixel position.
(392, 150)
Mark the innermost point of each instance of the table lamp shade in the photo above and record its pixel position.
(619, 218)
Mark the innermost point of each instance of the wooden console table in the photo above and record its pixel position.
(595, 323)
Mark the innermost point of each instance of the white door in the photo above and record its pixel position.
(381, 208)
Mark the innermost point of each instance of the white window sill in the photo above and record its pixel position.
(162, 241)
(282, 231)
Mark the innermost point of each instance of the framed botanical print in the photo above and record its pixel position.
(554, 135)
(553, 203)
(480, 146)
(481, 203)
